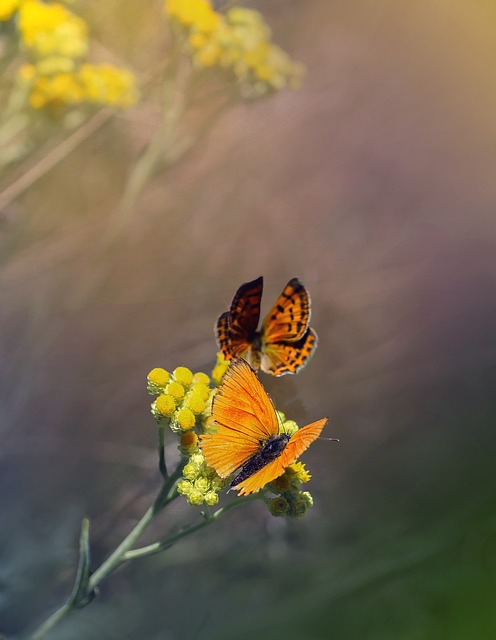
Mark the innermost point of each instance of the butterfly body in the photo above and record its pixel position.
(271, 450)
(284, 344)
(249, 439)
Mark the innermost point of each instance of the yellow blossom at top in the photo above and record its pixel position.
(238, 41)
(158, 377)
(201, 377)
(197, 14)
(299, 470)
(8, 8)
(183, 375)
(51, 29)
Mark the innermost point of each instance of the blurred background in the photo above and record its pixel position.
(375, 184)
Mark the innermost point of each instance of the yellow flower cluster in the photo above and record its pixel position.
(8, 8)
(56, 41)
(239, 42)
(221, 366)
(51, 30)
(200, 483)
(291, 501)
(184, 404)
(182, 397)
(103, 84)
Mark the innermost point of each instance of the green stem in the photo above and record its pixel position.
(51, 621)
(167, 494)
(161, 451)
(162, 545)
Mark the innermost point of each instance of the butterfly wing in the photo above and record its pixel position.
(258, 480)
(289, 318)
(287, 341)
(298, 443)
(236, 328)
(245, 417)
(301, 440)
(279, 358)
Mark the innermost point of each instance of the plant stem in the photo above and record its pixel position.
(161, 451)
(51, 621)
(162, 545)
(166, 495)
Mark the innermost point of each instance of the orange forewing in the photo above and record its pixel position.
(285, 342)
(245, 417)
(289, 318)
(298, 443)
(279, 358)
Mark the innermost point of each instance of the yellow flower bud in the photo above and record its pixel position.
(184, 487)
(211, 498)
(300, 472)
(185, 418)
(165, 405)
(195, 497)
(189, 439)
(290, 427)
(157, 380)
(195, 403)
(201, 389)
(175, 389)
(201, 378)
(190, 471)
(183, 375)
(202, 484)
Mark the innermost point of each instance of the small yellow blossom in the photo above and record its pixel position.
(157, 379)
(190, 471)
(195, 497)
(183, 375)
(165, 404)
(211, 498)
(290, 427)
(195, 403)
(108, 84)
(184, 487)
(299, 470)
(201, 378)
(220, 368)
(8, 8)
(51, 29)
(202, 484)
(175, 389)
(201, 389)
(185, 418)
(189, 439)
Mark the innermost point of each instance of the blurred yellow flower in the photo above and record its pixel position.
(57, 83)
(8, 8)
(51, 29)
(238, 41)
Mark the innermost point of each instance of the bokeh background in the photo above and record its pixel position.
(376, 185)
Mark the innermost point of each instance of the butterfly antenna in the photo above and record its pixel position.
(330, 439)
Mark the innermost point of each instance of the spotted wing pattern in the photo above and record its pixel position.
(288, 343)
(289, 318)
(245, 417)
(279, 358)
(298, 443)
(236, 328)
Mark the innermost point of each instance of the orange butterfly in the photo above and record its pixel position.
(249, 437)
(284, 344)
